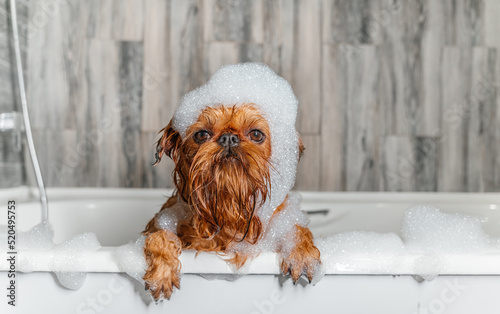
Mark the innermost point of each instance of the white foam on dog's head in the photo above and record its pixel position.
(253, 83)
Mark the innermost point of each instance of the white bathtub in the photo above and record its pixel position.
(470, 283)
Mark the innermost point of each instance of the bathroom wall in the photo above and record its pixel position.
(394, 95)
(11, 160)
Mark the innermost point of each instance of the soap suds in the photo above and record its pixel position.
(131, 260)
(74, 253)
(69, 254)
(425, 230)
(168, 218)
(279, 232)
(349, 250)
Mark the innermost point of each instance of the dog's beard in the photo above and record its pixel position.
(226, 190)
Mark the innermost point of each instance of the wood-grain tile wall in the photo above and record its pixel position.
(12, 171)
(395, 95)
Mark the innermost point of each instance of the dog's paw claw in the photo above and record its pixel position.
(297, 265)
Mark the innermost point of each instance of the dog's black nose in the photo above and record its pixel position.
(228, 140)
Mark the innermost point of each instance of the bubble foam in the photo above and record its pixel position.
(168, 218)
(131, 260)
(426, 228)
(69, 254)
(74, 252)
(349, 250)
(280, 232)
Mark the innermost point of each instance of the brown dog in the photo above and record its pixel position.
(222, 178)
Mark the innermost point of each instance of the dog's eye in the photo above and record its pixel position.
(201, 136)
(256, 136)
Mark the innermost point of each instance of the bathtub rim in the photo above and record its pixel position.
(104, 260)
(26, 193)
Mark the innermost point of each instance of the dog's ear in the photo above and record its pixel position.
(301, 145)
(168, 144)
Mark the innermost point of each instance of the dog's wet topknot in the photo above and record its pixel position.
(253, 83)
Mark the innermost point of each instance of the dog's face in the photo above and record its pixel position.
(222, 168)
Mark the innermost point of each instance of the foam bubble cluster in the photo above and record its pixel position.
(74, 253)
(168, 218)
(69, 254)
(427, 229)
(39, 237)
(253, 83)
(280, 231)
(131, 260)
(349, 250)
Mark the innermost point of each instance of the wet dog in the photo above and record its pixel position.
(223, 177)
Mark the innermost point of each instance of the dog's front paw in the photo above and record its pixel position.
(161, 250)
(303, 259)
(161, 286)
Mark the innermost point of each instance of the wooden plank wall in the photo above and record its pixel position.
(394, 95)
(11, 161)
